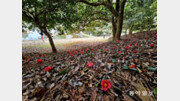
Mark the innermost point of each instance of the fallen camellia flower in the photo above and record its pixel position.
(136, 44)
(134, 51)
(119, 52)
(28, 60)
(90, 64)
(105, 85)
(127, 47)
(114, 47)
(152, 45)
(48, 68)
(106, 49)
(132, 66)
(81, 52)
(70, 54)
(39, 60)
(75, 52)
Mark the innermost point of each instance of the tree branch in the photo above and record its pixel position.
(92, 4)
(108, 5)
(111, 8)
(122, 4)
(27, 15)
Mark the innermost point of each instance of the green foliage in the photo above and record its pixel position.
(73, 17)
(141, 13)
(49, 13)
(90, 17)
(155, 91)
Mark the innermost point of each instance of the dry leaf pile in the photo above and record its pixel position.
(129, 64)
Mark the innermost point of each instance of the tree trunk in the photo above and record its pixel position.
(120, 20)
(131, 29)
(54, 50)
(113, 28)
(118, 31)
(119, 27)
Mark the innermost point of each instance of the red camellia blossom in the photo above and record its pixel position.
(129, 44)
(118, 41)
(119, 52)
(48, 68)
(86, 50)
(28, 60)
(132, 66)
(75, 52)
(146, 39)
(81, 52)
(127, 47)
(105, 85)
(70, 54)
(90, 64)
(152, 45)
(39, 60)
(134, 51)
(42, 55)
(106, 49)
(114, 47)
(136, 44)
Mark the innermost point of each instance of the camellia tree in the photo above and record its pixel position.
(133, 14)
(140, 15)
(116, 9)
(47, 14)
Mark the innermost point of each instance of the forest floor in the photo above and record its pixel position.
(103, 70)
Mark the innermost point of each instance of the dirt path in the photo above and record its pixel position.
(61, 44)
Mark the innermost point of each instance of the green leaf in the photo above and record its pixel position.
(134, 69)
(155, 91)
(64, 71)
(126, 67)
(151, 68)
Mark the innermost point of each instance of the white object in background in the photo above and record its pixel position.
(69, 36)
(33, 36)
